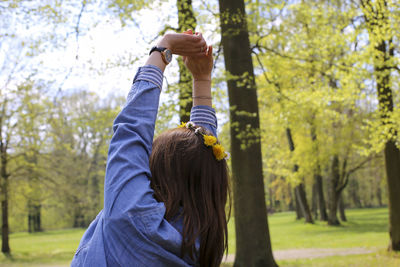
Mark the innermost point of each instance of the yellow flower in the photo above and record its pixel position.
(219, 152)
(209, 140)
(183, 125)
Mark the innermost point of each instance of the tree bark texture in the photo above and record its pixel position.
(376, 14)
(314, 201)
(186, 21)
(323, 216)
(253, 245)
(342, 213)
(392, 152)
(318, 179)
(299, 190)
(299, 213)
(353, 192)
(333, 193)
(5, 245)
(305, 209)
(291, 204)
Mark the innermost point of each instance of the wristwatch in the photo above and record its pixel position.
(166, 54)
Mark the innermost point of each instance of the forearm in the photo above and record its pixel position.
(202, 92)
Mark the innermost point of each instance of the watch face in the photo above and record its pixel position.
(168, 55)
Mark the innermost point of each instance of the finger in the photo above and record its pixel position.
(187, 39)
(204, 49)
(191, 45)
(210, 50)
(195, 54)
(189, 51)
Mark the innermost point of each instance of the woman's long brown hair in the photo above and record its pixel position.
(187, 176)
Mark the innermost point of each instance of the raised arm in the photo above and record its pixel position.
(201, 66)
(127, 186)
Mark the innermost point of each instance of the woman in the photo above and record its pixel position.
(164, 202)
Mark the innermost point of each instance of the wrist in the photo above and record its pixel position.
(164, 42)
(156, 60)
(202, 78)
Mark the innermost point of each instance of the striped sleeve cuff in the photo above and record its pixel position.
(151, 74)
(204, 114)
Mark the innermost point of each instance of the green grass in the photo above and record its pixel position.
(379, 259)
(365, 228)
(45, 247)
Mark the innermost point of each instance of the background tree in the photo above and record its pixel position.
(253, 245)
(31, 130)
(379, 20)
(186, 20)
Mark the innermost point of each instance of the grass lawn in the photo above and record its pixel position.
(50, 247)
(365, 228)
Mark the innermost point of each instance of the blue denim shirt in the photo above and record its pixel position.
(131, 229)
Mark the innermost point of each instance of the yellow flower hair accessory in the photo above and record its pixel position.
(219, 152)
(183, 125)
(209, 140)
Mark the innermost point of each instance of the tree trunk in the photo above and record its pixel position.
(379, 195)
(186, 20)
(301, 195)
(5, 246)
(299, 213)
(318, 177)
(34, 221)
(79, 219)
(341, 208)
(253, 245)
(299, 189)
(353, 192)
(314, 200)
(291, 205)
(392, 160)
(333, 195)
(321, 198)
(377, 17)
(271, 200)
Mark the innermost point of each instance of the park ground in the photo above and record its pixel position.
(362, 241)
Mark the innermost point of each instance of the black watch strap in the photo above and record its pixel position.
(157, 48)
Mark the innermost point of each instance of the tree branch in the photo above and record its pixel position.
(276, 85)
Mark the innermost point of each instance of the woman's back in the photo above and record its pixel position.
(161, 207)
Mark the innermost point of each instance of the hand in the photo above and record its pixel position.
(201, 65)
(184, 44)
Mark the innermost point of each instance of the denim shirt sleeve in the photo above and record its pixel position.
(127, 188)
(204, 116)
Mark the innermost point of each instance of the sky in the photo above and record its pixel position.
(104, 57)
